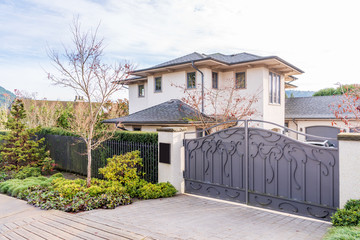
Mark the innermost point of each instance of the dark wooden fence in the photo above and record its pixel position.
(69, 155)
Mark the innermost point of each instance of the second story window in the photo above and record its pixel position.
(215, 80)
(274, 88)
(158, 84)
(191, 80)
(240, 80)
(141, 90)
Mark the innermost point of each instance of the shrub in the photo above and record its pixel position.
(352, 204)
(349, 216)
(3, 176)
(133, 187)
(17, 187)
(27, 171)
(159, 190)
(102, 194)
(123, 168)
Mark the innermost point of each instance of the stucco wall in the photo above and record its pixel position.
(273, 112)
(349, 168)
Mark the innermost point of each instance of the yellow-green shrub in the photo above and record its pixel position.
(123, 168)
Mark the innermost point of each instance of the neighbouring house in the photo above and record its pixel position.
(313, 115)
(267, 77)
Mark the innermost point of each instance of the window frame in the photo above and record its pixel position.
(236, 80)
(159, 90)
(187, 80)
(274, 88)
(139, 92)
(217, 80)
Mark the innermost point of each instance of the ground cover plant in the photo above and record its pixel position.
(346, 222)
(122, 183)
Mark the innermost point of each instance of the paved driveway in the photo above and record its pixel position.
(180, 217)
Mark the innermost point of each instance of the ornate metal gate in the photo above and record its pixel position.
(263, 168)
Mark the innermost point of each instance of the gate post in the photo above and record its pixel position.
(171, 156)
(349, 167)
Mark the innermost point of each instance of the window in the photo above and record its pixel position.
(158, 84)
(240, 82)
(137, 129)
(141, 91)
(215, 80)
(191, 80)
(274, 88)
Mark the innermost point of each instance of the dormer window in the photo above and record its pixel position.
(240, 80)
(141, 90)
(274, 88)
(158, 84)
(191, 80)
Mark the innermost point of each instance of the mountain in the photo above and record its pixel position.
(3, 99)
(297, 93)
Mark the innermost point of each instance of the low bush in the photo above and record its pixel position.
(46, 198)
(17, 187)
(27, 171)
(349, 216)
(123, 168)
(159, 190)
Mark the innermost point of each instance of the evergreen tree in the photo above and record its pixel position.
(20, 147)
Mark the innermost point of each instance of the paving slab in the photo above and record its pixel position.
(181, 217)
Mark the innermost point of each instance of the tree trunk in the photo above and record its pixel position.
(88, 178)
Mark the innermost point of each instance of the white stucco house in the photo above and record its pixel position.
(154, 95)
(250, 74)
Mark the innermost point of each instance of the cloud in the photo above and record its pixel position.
(317, 36)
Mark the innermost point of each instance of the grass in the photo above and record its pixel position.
(343, 233)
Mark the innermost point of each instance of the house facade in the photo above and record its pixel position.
(249, 75)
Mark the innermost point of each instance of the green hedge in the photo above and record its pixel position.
(139, 137)
(127, 136)
(55, 131)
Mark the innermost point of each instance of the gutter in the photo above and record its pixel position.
(202, 86)
(297, 128)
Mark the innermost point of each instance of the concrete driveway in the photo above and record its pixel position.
(180, 217)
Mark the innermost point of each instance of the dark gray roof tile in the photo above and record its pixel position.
(173, 111)
(310, 107)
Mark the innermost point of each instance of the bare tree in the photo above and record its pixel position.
(83, 69)
(347, 109)
(221, 105)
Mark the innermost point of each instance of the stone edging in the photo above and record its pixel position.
(349, 136)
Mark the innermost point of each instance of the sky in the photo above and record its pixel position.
(320, 37)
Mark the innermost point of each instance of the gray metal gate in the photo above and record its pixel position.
(263, 168)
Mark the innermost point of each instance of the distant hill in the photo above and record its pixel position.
(298, 93)
(3, 98)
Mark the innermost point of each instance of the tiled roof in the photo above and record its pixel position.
(173, 111)
(227, 59)
(310, 107)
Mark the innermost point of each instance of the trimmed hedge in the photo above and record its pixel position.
(139, 137)
(55, 131)
(127, 136)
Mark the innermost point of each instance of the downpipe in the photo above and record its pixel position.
(202, 86)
